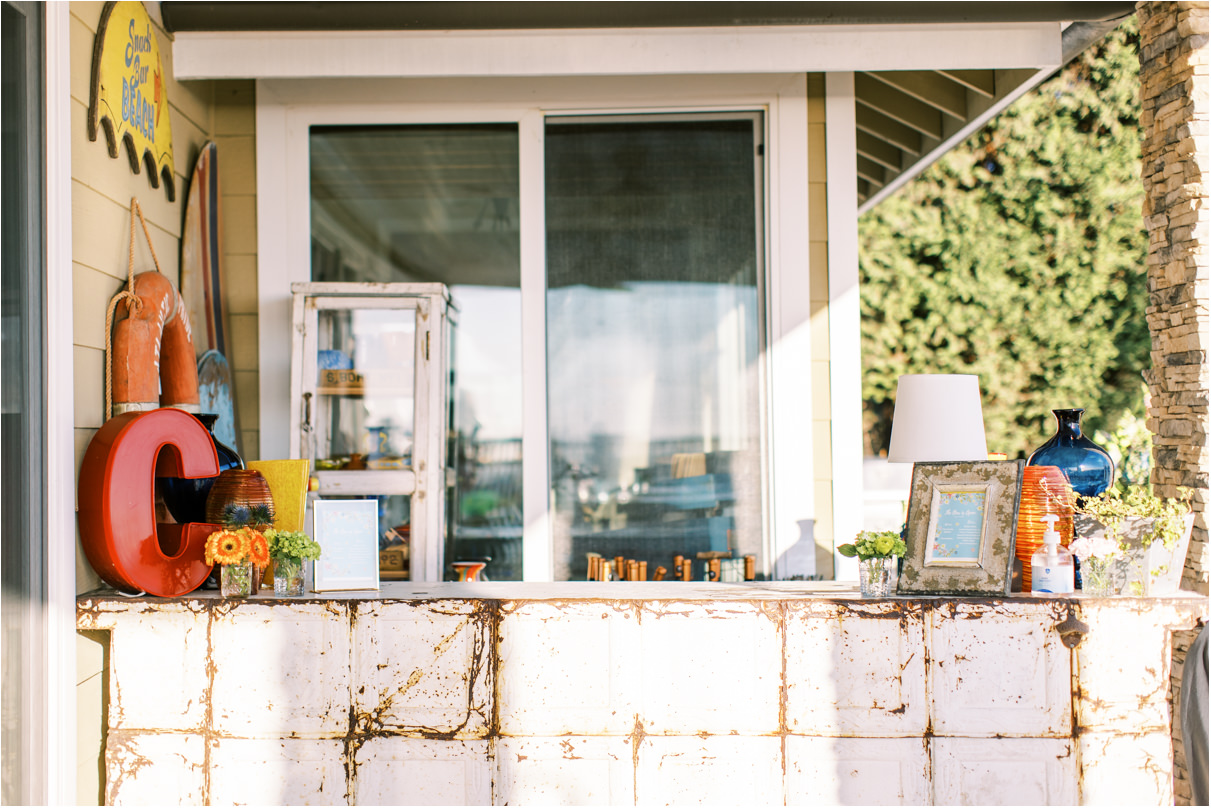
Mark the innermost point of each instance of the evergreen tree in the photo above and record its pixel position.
(1020, 256)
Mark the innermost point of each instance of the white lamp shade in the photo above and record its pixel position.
(937, 418)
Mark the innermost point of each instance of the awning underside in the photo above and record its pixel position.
(904, 119)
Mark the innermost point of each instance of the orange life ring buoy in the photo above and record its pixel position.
(153, 362)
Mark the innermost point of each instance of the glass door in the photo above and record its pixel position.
(440, 203)
(640, 266)
(654, 336)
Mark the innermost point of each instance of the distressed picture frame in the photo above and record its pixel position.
(962, 524)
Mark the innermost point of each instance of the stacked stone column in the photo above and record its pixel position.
(1174, 119)
(1175, 163)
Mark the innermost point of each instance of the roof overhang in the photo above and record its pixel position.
(926, 75)
(182, 17)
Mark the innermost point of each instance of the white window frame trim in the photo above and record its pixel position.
(844, 317)
(60, 683)
(285, 112)
(615, 51)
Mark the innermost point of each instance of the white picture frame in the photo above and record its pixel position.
(347, 532)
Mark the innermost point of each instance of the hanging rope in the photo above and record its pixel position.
(134, 304)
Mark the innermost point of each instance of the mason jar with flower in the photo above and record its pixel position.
(289, 549)
(239, 553)
(1097, 555)
(878, 554)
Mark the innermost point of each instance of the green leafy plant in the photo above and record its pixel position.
(1113, 508)
(294, 544)
(874, 544)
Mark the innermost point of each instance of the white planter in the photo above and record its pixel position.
(1152, 570)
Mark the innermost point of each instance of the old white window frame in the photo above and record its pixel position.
(286, 109)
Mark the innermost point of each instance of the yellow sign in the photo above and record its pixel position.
(130, 92)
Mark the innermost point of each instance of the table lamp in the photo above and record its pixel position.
(937, 418)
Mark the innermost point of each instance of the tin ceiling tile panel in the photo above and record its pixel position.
(263, 771)
(172, 637)
(423, 669)
(856, 771)
(417, 771)
(856, 668)
(281, 670)
(1130, 769)
(712, 668)
(711, 770)
(1125, 685)
(999, 669)
(569, 668)
(144, 768)
(571, 770)
(733, 700)
(1004, 771)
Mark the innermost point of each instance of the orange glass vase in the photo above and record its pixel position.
(469, 571)
(1045, 490)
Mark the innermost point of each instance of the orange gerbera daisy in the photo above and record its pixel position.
(258, 547)
(226, 547)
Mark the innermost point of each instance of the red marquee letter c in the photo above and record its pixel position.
(117, 501)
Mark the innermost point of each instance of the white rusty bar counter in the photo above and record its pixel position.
(640, 693)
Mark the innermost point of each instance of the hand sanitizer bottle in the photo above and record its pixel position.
(1051, 567)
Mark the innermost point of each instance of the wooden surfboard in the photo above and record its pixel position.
(201, 290)
(200, 252)
(216, 393)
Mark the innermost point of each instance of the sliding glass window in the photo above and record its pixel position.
(655, 264)
(439, 203)
(654, 228)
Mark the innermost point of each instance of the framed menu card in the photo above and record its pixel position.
(957, 521)
(347, 530)
(962, 523)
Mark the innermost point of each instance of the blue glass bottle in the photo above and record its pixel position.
(1088, 468)
(186, 498)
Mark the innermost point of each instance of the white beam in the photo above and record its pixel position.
(880, 151)
(278, 265)
(958, 136)
(844, 317)
(793, 507)
(60, 684)
(537, 560)
(757, 49)
(930, 87)
(980, 81)
(898, 105)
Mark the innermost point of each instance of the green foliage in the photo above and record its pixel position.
(1020, 257)
(291, 544)
(874, 544)
(1113, 509)
(475, 506)
(1130, 447)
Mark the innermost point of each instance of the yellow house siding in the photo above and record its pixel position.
(102, 188)
(235, 135)
(821, 410)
